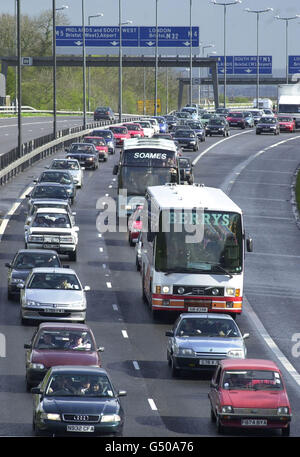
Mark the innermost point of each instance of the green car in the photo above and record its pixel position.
(205, 118)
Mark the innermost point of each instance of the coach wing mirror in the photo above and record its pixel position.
(151, 236)
(115, 169)
(249, 243)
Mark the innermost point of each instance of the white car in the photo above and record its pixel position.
(73, 167)
(148, 129)
(52, 228)
(154, 123)
(53, 294)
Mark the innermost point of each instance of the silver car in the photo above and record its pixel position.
(53, 294)
(73, 167)
(199, 341)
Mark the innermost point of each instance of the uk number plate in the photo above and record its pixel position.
(255, 422)
(197, 309)
(208, 362)
(54, 310)
(80, 428)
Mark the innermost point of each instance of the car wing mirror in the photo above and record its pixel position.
(115, 170)
(76, 228)
(86, 288)
(122, 393)
(249, 243)
(100, 349)
(8, 265)
(20, 285)
(246, 335)
(65, 266)
(27, 346)
(170, 333)
(36, 391)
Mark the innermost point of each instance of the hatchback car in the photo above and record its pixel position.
(134, 130)
(100, 144)
(268, 125)
(46, 191)
(52, 228)
(217, 126)
(22, 264)
(186, 170)
(52, 294)
(77, 400)
(108, 135)
(249, 119)
(249, 394)
(236, 119)
(199, 341)
(72, 166)
(186, 139)
(135, 225)
(62, 177)
(104, 112)
(286, 124)
(57, 343)
(120, 133)
(198, 129)
(257, 114)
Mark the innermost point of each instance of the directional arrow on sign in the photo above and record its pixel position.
(150, 43)
(114, 43)
(248, 70)
(78, 43)
(186, 43)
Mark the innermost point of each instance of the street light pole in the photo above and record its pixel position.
(89, 23)
(203, 48)
(214, 2)
(19, 95)
(191, 55)
(257, 12)
(156, 58)
(287, 19)
(84, 65)
(120, 60)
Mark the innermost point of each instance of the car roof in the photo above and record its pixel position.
(95, 137)
(206, 316)
(53, 201)
(248, 364)
(37, 251)
(51, 210)
(63, 325)
(53, 270)
(54, 170)
(64, 159)
(78, 369)
(50, 183)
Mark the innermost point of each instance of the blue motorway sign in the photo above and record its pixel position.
(109, 36)
(294, 64)
(245, 65)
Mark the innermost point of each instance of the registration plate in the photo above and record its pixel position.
(208, 362)
(197, 309)
(50, 246)
(251, 422)
(54, 310)
(80, 428)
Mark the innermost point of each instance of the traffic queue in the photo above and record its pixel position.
(73, 394)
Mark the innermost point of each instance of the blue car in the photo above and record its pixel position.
(108, 137)
(163, 126)
(198, 129)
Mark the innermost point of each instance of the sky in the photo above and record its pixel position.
(240, 28)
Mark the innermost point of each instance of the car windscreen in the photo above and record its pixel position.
(50, 192)
(236, 115)
(103, 133)
(64, 339)
(28, 260)
(252, 380)
(184, 134)
(52, 220)
(65, 165)
(208, 327)
(52, 176)
(96, 141)
(122, 130)
(59, 281)
(149, 157)
(79, 385)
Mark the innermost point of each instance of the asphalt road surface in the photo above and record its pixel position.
(256, 171)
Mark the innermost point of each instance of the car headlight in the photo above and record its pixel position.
(230, 291)
(37, 366)
(16, 281)
(32, 303)
(110, 418)
(282, 410)
(50, 416)
(192, 141)
(110, 143)
(162, 289)
(227, 409)
(236, 354)
(69, 191)
(184, 352)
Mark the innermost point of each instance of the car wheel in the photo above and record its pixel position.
(138, 267)
(130, 240)
(228, 133)
(220, 428)
(9, 295)
(174, 370)
(169, 359)
(212, 415)
(28, 388)
(73, 256)
(285, 431)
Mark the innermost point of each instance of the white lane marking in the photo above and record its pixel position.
(136, 365)
(108, 285)
(216, 144)
(271, 343)
(152, 404)
(99, 235)
(265, 199)
(275, 255)
(115, 307)
(270, 217)
(125, 334)
(101, 249)
(13, 209)
(110, 186)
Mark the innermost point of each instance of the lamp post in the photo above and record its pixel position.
(84, 64)
(203, 48)
(156, 58)
(54, 9)
(257, 12)
(235, 2)
(120, 60)
(287, 19)
(191, 55)
(89, 23)
(19, 85)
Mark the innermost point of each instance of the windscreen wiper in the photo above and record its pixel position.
(213, 265)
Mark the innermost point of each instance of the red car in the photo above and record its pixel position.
(249, 394)
(135, 130)
(100, 145)
(286, 124)
(134, 226)
(59, 344)
(120, 133)
(236, 119)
